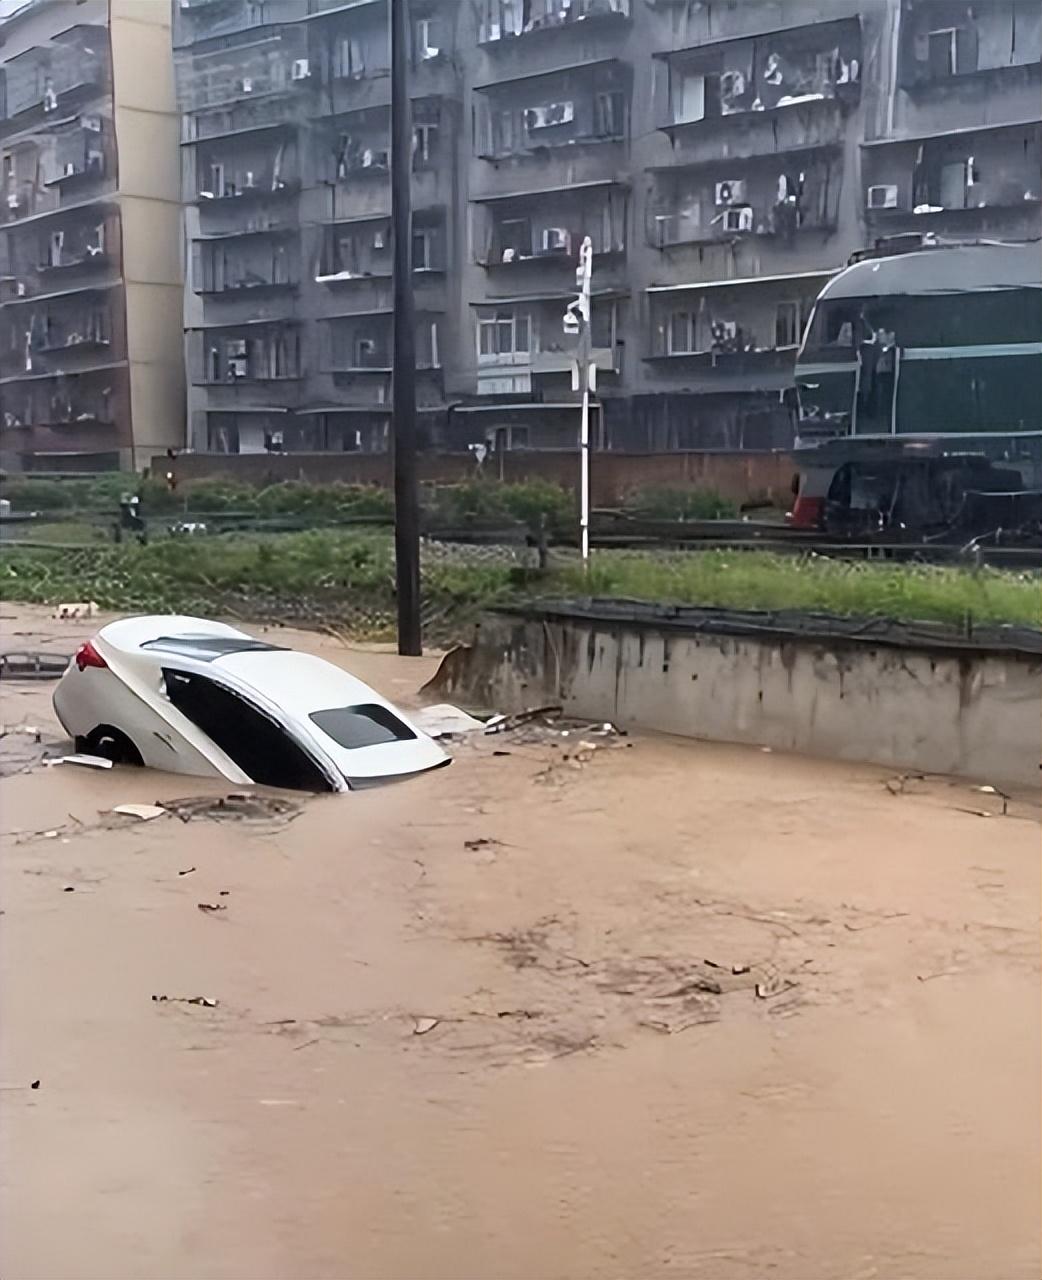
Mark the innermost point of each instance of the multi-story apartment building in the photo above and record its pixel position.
(286, 140)
(724, 158)
(91, 366)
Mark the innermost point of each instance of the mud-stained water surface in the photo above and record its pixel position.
(651, 1008)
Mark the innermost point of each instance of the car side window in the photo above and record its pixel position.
(257, 743)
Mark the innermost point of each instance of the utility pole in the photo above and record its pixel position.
(584, 376)
(403, 378)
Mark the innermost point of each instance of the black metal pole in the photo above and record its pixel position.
(403, 379)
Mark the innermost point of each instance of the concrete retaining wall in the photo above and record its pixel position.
(971, 712)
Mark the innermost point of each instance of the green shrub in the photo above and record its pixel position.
(37, 495)
(534, 499)
(528, 502)
(681, 504)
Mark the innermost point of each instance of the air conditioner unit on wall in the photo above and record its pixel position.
(730, 192)
(738, 219)
(300, 69)
(883, 196)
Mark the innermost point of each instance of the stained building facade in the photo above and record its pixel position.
(91, 292)
(724, 158)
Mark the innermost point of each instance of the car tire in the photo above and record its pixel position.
(111, 744)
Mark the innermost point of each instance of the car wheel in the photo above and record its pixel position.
(111, 744)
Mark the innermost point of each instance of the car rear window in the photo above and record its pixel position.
(364, 726)
(208, 648)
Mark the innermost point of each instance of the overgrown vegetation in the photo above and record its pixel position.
(682, 504)
(347, 578)
(531, 503)
(759, 580)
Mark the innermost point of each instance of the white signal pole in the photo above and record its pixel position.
(577, 321)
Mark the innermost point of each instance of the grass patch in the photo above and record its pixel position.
(348, 577)
(760, 580)
(681, 504)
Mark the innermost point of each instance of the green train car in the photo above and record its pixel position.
(942, 339)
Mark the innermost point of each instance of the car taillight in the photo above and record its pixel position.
(88, 656)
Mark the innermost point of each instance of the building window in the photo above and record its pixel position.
(349, 59)
(423, 249)
(515, 236)
(787, 324)
(689, 98)
(428, 39)
(610, 115)
(503, 439)
(345, 255)
(365, 354)
(549, 116)
(943, 53)
(424, 145)
(680, 336)
(502, 335)
(503, 139)
(427, 344)
(602, 325)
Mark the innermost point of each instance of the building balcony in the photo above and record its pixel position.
(923, 83)
(607, 360)
(83, 421)
(525, 230)
(962, 178)
(245, 195)
(45, 83)
(504, 21)
(767, 369)
(248, 378)
(828, 105)
(104, 365)
(719, 84)
(670, 230)
(40, 114)
(33, 299)
(280, 127)
(242, 288)
(39, 203)
(731, 362)
(582, 104)
(326, 8)
(234, 234)
(74, 182)
(1025, 212)
(198, 22)
(949, 46)
(78, 266)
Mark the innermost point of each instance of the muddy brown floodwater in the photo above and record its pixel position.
(664, 1009)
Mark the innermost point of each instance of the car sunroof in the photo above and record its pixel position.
(209, 648)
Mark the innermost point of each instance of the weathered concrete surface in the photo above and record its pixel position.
(971, 713)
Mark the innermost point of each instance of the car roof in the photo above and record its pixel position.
(298, 680)
(287, 677)
(130, 634)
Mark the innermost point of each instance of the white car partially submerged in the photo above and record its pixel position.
(190, 696)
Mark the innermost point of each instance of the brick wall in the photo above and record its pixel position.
(739, 476)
